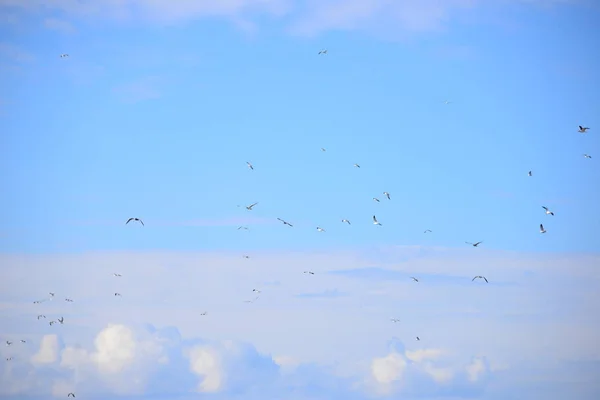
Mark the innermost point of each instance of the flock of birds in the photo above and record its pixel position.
(250, 207)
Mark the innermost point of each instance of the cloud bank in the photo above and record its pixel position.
(182, 326)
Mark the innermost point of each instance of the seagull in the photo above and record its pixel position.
(348, 222)
(256, 290)
(375, 222)
(474, 244)
(117, 294)
(23, 341)
(246, 256)
(61, 320)
(427, 230)
(582, 129)
(249, 208)
(309, 272)
(52, 323)
(117, 275)
(323, 149)
(204, 313)
(251, 301)
(285, 222)
(8, 343)
(9, 359)
(51, 294)
(71, 395)
(480, 277)
(64, 55)
(376, 199)
(250, 165)
(587, 156)
(134, 219)
(387, 195)
(38, 301)
(320, 229)
(242, 227)
(69, 300)
(357, 166)
(548, 212)
(394, 320)
(542, 230)
(324, 51)
(529, 173)
(418, 338)
(414, 279)
(41, 316)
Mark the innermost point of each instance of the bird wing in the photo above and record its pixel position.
(477, 243)
(141, 222)
(474, 278)
(485, 279)
(130, 219)
(542, 226)
(374, 219)
(580, 128)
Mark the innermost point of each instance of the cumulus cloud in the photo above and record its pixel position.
(283, 343)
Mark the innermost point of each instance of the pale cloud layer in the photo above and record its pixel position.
(305, 17)
(534, 322)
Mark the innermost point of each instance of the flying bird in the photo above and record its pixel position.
(357, 166)
(204, 313)
(246, 256)
(376, 199)
(23, 341)
(249, 208)
(324, 51)
(480, 277)
(71, 395)
(542, 230)
(242, 227)
(309, 272)
(323, 149)
(582, 129)
(250, 165)
(474, 244)
(61, 320)
(52, 323)
(117, 275)
(427, 230)
(587, 156)
(394, 320)
(375, 222)
(548, 212)
(41, 316)
(64, 55)
(51, 294)
(320, 229)
(69, 300)
(8, 343)
(418, 338)
(348, 222)
(134, 219)
(414, 279)
(387, 195)
(256, 290)
(117, 294)
(285, 222)
(9, 359)
(529, 173)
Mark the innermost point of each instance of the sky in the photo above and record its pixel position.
(155, 114)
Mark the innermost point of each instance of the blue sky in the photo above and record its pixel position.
(154, 115)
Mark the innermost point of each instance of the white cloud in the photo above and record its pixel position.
(469, 331)
(48, 352)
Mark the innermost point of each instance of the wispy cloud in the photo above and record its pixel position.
(59, 25)
(12, 53)
(304, 17)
